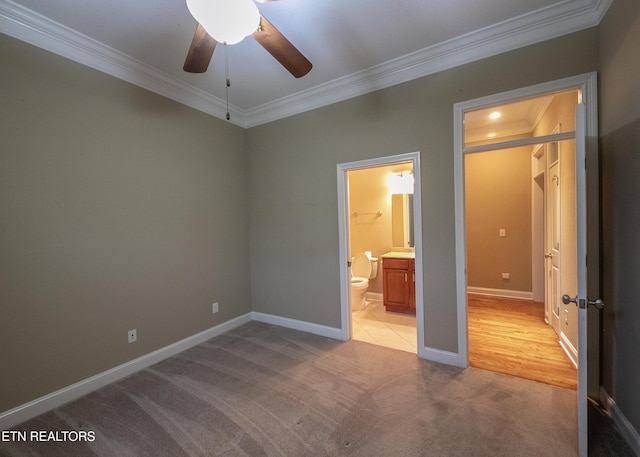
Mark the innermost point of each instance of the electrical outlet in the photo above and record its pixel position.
(132, 336)
(502, 233)
(505, 275)
(215, 308)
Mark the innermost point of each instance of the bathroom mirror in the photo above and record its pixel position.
(402, 220)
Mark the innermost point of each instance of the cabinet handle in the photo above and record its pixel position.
(405, 277)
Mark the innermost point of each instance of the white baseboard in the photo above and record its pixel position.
(374, 296)
(522, 294)
(568, 348)
(60, 397)
(627, 430)
(437, 355)
(316, 329)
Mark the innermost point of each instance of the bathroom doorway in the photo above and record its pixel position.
(378, 218)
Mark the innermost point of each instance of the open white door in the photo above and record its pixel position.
(581, 300)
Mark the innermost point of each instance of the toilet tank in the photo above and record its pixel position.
(374, 267)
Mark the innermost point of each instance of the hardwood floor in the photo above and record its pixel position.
(510, 336)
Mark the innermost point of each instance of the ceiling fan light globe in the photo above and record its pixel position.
(227, 21)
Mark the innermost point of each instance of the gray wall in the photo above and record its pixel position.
(293, 191)
(620, 170)
(119, 209)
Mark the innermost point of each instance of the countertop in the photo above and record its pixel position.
(399, 255)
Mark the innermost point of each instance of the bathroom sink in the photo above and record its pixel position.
(399, 255)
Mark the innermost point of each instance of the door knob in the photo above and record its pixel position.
(548, 255)
(599, 304)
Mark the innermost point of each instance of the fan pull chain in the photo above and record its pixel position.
(226, 74)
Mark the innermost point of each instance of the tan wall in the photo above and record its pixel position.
(119, 209)
(498, 192)
(369, 193)
(498, 196)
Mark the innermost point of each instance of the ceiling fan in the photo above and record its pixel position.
(217, 23)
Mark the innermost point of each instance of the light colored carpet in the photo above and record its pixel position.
(262, 390)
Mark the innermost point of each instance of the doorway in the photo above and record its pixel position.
(520, 219)
(381, 222)
(370, 219)
(585, 134)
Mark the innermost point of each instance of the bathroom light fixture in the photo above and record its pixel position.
(227, 21)
(401, 183)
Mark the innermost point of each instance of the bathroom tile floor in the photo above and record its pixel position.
(377, 326)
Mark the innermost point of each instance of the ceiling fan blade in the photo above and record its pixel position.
(200, 52)
(282, 49)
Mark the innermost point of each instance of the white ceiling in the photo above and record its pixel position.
(356, 46)
(516, 118)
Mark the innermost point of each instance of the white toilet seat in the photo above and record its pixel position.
(357, 281)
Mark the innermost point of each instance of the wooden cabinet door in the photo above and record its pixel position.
(398, 290)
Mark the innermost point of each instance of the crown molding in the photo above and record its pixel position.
(540, 25)
(40, 31)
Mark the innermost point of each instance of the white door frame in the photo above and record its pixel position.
(343, 223)
(587, 84)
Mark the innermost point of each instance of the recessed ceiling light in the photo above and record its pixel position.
(495, 115)
(491, 135)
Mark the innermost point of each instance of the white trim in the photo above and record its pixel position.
(541, 25)
(538, 193)
(65, 395)
(343, 239)
(343, 250)
(33, 28)
(489, 147)
(460, 234)
(309, 327)
(628, 432)
(521, 294)
(446, 357)
(374, 296)
(569, 349)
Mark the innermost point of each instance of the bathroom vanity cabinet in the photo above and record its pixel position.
(398, 283)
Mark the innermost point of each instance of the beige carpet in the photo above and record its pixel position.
(262, 390)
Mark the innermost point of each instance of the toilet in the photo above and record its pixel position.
(363, 268)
